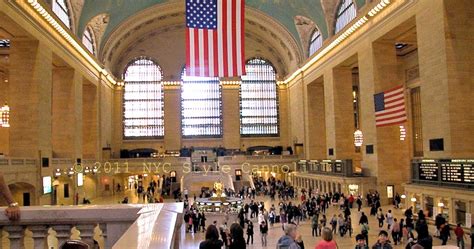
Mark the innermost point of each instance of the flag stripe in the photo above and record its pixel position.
(238, 33)
(188, 55)
(390, 108)
(216, 54)
(234, 35)
(202, 65)
(242, 37)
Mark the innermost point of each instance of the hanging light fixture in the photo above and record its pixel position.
(5, 116)
(358, 138)
(403, 133)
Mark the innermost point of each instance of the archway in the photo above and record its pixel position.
(24, 193)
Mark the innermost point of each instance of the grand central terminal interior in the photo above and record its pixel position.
(236, 124)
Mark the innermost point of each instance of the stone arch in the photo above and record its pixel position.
(18, 190)
(98, 25)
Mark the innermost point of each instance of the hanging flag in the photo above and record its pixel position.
(390, 107)
(215, 38)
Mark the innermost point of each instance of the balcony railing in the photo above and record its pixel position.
(105, 225)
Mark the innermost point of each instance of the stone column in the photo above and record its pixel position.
(30, 99)
(231, 116)
(393, 155)
(40, 234)
(90, 125)
(172, 100)
(67, 113)
(343, 113)
(446, 59)
(315, 120)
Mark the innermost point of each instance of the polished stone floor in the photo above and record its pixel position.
(190, 240)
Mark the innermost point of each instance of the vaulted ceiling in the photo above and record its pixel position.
(284, 11)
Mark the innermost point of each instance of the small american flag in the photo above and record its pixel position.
(215, 38)
(390, 107)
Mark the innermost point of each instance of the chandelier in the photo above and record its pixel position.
(358, 138)
(5, 116)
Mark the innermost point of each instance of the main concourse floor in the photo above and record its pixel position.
(191, 240)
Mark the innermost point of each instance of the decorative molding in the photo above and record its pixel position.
(98, 25)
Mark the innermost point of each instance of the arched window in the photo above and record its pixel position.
(143, 100)
(259, 100)
(346, 12)
(61, 10)
(201, 106)
(88, 40)
(316, 42)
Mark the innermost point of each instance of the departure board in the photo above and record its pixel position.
(451, 172)
(428, 171)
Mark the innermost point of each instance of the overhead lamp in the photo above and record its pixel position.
(403, 196)
(440, 204)
(94, 169)
(5, 116)
(403, 133)
(87, 170)
(413, 199)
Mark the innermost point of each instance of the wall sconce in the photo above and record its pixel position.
(57, 173)
(5, 116)
(87, 170)
(403, 196)
(70, 172)
(358, 138)
(440, 204)
(413, 199)
(94, 170)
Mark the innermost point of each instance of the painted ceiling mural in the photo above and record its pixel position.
(283, 11)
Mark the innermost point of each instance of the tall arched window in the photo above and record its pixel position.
(346, 12)
(88, 40)
(143, 100)
(316, 42)
(259, 100)
(60, 8)
(201, 106)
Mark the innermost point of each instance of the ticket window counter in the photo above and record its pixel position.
(443, 206)
(238, 174)
(460, 212)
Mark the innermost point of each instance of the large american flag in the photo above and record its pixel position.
(215, 38)
(390, 107)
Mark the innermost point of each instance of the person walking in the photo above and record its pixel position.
(212, 239)
(382, 242)
(459, 236)
(249, 232)
(327, 242)
(396, 231)
(264, 232)
(380, 217)
(389, 217)
(333, 223)
(314, 225)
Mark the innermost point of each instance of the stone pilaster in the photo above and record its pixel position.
(30, 99)
(231, 116)
(315, 121)
(67, 113)
(172, 118)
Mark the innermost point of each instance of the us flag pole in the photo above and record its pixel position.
(215, 38)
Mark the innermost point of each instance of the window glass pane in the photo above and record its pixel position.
(88, 41)
(259, 100)
(346, 13)
(62, 11)
(201, 107)
(143, 100)
(316, 42)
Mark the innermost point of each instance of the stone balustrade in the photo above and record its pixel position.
(103, 225)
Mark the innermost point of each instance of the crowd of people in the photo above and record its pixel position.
(313, 207)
